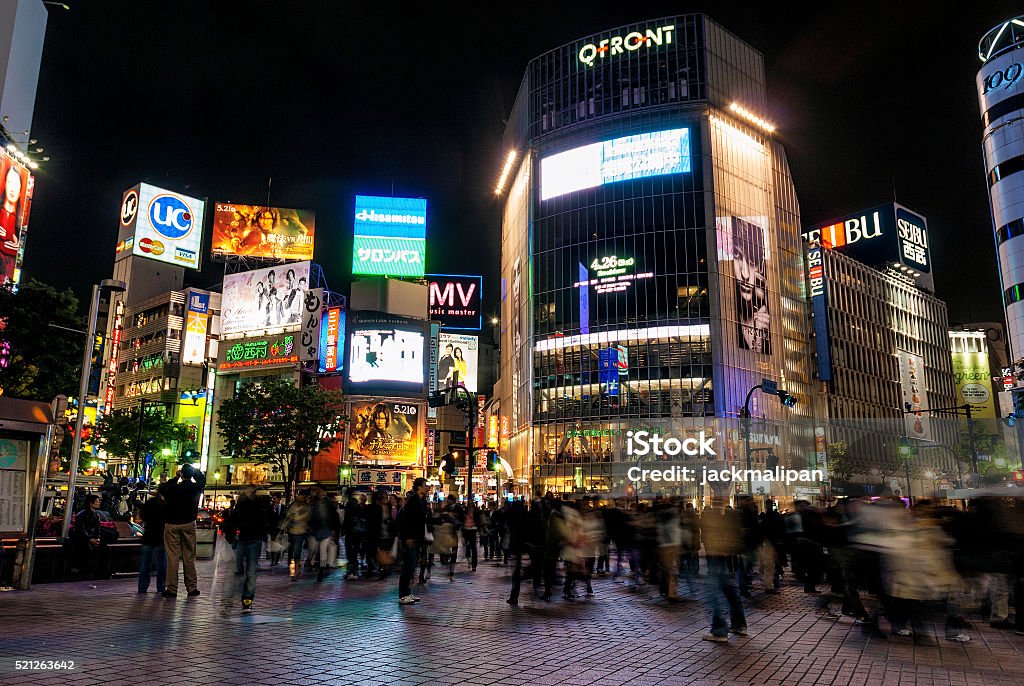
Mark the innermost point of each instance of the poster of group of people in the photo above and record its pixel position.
(264, 298)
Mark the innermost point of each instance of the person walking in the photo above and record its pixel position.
(296, 525)
(354, 527)
(723, 542)
(670, 539)
(412, 531)
(182, 495)
(470, 520)
(245, 531)
(325, 530)
(153, 556)
(516, 525)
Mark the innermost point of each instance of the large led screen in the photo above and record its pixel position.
(386, 353)
(261, 231)
(168, 227)
(457, 353)
(389, 236)
(264, 299)
(456, 300)
(17, 199)
(620, 159)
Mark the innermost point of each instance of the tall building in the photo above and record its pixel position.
(1002, 115)
(651, 254)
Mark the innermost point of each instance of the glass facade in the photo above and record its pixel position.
(659, 290)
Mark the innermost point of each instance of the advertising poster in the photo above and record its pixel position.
(19, 185)
(915, 399)
(974, 383)
(260, 352)
(193, 348)
(456, 300)
(389, 236)
(387, 431)
(168, 227)
(261, 231)
(264, 299)
(309, 334)
(387, 352)
(332, 337)
(744, 242)
(457, 353)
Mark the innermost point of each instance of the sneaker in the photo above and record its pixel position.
(513, 603)
(246, 606)
(959, 638)
(739, 631)
(193, 593)
(715, 639)
(170, 594)
(416, 598)
(406, 600)
(903, 632)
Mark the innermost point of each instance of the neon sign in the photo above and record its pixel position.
(612, 274)
(115, 346)
(261, 353)
(619, 45)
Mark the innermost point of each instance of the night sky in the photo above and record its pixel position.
(330, 99)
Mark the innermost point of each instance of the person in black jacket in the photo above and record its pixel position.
(412, 527)
(88, 540)
(325, 529)
(182, 496)
(354, 528)
(246, 530)
(516, 522)
(153, 555)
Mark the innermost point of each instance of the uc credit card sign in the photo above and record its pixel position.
(168, 226)
(389, 236)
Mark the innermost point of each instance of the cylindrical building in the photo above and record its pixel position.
(1002, 114)
(651, 254)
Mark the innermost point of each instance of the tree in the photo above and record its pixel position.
(117, 433)
(279, 423)
(39, 361)
(840, 466)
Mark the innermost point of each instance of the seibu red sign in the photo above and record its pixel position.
(456, 301)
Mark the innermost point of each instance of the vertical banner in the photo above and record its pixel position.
(584, 299)
(480, 438)
(194, 345)
(115, 346)
(431, 441)
(332, 336)
(309, 334)
(915, 399)
(435, 336)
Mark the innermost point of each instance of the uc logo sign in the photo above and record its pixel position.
(170, 216)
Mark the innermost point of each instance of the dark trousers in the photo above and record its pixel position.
(410, 556)
(517, 576)
(353, 543)
(247, 556)
(725, 589)
(812, 562)
(152, 558)
(469, 536)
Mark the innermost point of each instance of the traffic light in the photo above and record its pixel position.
(787, 399)
(492, 461)
(905, 448)
(188, 456)
(447, 463)
(1018, 478)
(344, 474)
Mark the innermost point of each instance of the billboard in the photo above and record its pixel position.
(389, 236)
(19, 186)
(456, 300)
(619, 159)
(457, 353)
(387, 431)
(744, 242)
(160, 225)
(386, 353)
(309, 334)
(262, 231)
(273, 351)
(817, 292)
(193, 348)
(915, 398)
(264, 299)
(332, 341)
(887, 235)
(973, 378)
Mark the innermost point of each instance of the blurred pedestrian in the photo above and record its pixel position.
(296, 525)
(412, 530)
(248, 527)
(722, 537)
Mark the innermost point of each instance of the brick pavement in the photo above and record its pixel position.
(463, 633)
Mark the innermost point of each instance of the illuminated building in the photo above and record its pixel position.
(1001, 101)
(651, 253)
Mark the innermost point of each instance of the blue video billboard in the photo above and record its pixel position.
(390, 236)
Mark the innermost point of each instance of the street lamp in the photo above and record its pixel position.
(105, 286)
(216, 478)
(771, 388)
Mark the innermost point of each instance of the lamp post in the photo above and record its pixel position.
(771, 388)
(216, 479)
(105, 286)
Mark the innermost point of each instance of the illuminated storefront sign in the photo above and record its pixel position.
(385, 431)
(261, 353)
(390, 236)
(115, 346)
(332, 333)
(492, 431)
(649, 333)
(196, 320)
(630, 42)
(621, 159)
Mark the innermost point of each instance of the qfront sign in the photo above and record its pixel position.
(883, 236)
(622, 44)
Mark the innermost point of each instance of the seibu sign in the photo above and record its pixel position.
(882, 236)
(456, 300)
(630, 42)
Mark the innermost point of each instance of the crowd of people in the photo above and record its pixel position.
(875, 560)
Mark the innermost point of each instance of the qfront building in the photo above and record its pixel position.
(651, 257)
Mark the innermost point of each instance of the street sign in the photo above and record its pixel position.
(770, 387)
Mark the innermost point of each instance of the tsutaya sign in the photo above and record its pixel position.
(887, 235)
(632, 41)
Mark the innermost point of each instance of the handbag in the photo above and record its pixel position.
(276, 545)
(427, 535)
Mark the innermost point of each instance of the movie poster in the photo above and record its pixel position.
(262, 231)
(386, 431)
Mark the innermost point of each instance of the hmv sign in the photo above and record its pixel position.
(889, 236)
(456, 301)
